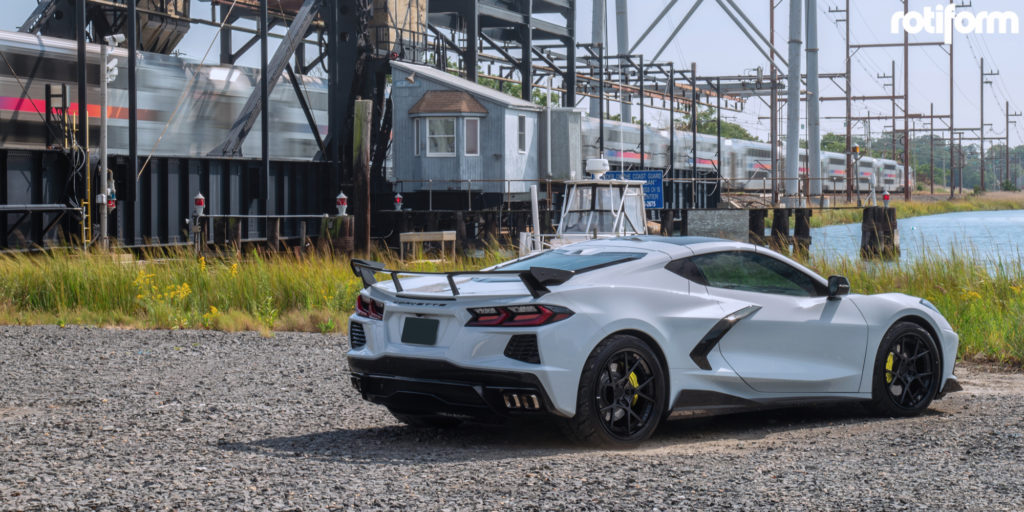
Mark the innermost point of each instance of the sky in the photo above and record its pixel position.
(718, 47)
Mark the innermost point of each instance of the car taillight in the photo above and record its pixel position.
(517, 316)
(369, 308)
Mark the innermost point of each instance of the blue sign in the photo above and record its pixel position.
(654, 192)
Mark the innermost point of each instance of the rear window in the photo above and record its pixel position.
(573, 260)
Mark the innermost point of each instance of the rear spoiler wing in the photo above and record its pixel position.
(537, 279)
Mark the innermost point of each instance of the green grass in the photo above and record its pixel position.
(985, 305)
(175, 289)
(917, 209)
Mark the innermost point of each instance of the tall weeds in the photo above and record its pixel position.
(173, 289)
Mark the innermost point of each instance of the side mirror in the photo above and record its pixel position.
(837, 287)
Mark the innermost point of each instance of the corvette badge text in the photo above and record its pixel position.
(943, 19)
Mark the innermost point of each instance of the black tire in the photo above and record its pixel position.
(907, 371)
(621, 396)
(426, 420)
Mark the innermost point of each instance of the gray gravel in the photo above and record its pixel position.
(117, 419)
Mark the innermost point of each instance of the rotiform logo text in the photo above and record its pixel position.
(943, 19)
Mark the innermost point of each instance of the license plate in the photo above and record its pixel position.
(420, 331)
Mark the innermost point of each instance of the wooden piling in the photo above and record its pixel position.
(880, 237)
(780, 230)
(460, 229)
(757, 218)
(802, 231)
(274, 235)
(361, 134)
(668, 222)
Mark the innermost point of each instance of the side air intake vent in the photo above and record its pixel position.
(356, 336)
(523, 347)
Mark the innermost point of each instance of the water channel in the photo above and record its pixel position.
(988, 236)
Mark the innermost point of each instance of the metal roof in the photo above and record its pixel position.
(442, 77)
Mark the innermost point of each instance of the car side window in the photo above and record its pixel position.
(752, 272)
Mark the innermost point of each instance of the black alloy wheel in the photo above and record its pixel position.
(907, 371)
(622, 392)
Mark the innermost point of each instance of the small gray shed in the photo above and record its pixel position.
(452, 134)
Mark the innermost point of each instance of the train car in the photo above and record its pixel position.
(185, 109)
(889, 176)
(866, 174)
(833, 172)
(622, 145)
(707, 152)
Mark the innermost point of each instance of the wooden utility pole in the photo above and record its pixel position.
(361, 161)
(1008, 123)
(984, 75)
(931, 149)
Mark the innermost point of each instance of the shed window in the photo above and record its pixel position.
(522, 134)
(472, 136)
(441, 136)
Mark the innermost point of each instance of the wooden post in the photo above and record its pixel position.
(460, 228)
(780, 230)
(757, 218)
(220, 232)
(236, 234)
(274, 235)
(802, 231)
(302, 237)
(362, 117)
(880, 237)
(668, 222)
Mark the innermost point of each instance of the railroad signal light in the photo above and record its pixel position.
(342, 203)
(199, 205)
(398, 202)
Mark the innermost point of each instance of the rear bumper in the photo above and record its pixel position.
(419, 386)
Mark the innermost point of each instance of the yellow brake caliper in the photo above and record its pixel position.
(888, 369)
(633, 381)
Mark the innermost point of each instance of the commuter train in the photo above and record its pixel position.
(745, 165)
(185, 109)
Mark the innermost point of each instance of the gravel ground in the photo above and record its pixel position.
(117, 419)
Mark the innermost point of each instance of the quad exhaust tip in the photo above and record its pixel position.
(523, 401)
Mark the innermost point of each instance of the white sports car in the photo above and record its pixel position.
(613, 336)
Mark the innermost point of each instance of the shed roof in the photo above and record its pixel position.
(454, 82)
(447, 102)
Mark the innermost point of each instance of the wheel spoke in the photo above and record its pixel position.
(645, 396)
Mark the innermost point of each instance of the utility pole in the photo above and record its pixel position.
(984, 75)
(775, 110)
(598, 36)
(892, 86)
(931, 149)
(813, 104)
(952, 125)
(906, 107)
(792, 183)
(850, 175)
(1008, 123)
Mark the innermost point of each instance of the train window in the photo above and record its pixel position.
(472, 136)
(522, 134)
(441, 136)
